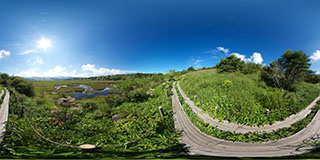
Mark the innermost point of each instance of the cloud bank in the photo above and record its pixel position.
(255, 58)
(88, 70)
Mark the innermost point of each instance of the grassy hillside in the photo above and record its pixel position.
(244, 99)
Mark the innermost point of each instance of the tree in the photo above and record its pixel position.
(288, 70)
(21, 85)
(251, 68)
(311, 77)
(230, 64)
(170, 74)
(191, 69)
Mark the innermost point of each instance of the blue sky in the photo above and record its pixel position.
(95, 37)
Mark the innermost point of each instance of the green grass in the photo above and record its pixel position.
(256, 137)
(1, 97)
(69, 90)
(92, 124)
(246, 99)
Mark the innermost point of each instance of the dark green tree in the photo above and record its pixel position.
(288, 70)
(191, 69)
(230, 64)
(311, 77)
(251, 68)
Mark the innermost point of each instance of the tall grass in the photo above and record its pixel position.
(255, 137)
(247, 100)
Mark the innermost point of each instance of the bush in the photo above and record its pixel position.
(311, 77)
(21, 85)
(288, 70)
(230, 64)
(227, 83)
(251, 68)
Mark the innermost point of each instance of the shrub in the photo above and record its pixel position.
(230, 64)
(227, 83)
(251, 68)
(288, 70)
(21, 85)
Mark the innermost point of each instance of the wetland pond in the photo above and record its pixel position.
(88, 91)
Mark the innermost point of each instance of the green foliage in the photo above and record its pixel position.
(311, 77)
(123, 77)
(21, 85)
(171, 74)
(250, 68)
(247, 101)
(90, 121)
(227, 83)
(190, 69)
(230, 64)
(288, 70)
(255, 137)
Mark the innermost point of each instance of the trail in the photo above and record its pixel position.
(4, 111)
(227, 126)
(202, 144)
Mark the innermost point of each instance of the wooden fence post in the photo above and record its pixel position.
(161, 111)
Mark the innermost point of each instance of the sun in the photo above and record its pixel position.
(44, 43)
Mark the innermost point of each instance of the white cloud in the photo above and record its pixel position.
(4, 53)
(255, 58)
(241, 56)
(212, 51)
(28, 52)
(197, 61)
(219, 49)
(225, 50)
(102, 71)
(315, 56)
(88, 67)
(29, 73)
(59, 71)
(38, 60)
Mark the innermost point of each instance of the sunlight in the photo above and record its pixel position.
(44, 43)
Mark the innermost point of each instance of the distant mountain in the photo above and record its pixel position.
(51, 78)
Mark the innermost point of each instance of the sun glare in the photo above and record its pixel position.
(44, 43)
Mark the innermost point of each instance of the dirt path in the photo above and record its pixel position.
(227, 126)
(202, 144)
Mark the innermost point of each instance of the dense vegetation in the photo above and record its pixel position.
(244, 99)
(103, 121)
(289, 70)
(240, 92)
(122, 77)
(17, 83)
(246, 93)
(256, 137)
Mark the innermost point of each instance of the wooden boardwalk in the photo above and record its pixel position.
(227, 126)
(199, 143)
(4, 111)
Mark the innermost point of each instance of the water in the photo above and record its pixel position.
(88, 92)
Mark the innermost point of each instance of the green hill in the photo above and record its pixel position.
(244, 98)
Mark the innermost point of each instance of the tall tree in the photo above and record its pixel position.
(289, 69)
(230, 64)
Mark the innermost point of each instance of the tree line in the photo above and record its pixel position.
(286, 72)
(19, 84)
